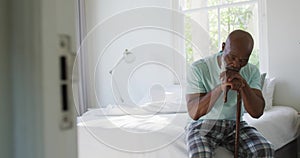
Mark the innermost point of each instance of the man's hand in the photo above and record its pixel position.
(232, 79)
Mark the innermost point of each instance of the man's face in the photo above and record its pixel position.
(235, 56)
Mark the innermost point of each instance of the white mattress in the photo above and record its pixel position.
(162, 135)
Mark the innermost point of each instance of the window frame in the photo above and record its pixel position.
(262, 20)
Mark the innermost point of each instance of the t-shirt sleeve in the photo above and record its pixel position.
(194, 81)
(255, 79)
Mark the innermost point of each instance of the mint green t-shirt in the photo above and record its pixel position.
(204, 75)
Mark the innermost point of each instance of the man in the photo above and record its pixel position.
(213, 121)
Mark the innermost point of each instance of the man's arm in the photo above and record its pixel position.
(200, 104)
(253, 100)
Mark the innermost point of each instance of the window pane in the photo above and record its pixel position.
(242, 16)
(197, 31)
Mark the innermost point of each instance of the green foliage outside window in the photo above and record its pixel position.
(231, 18)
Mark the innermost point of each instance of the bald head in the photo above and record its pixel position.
(240, 40)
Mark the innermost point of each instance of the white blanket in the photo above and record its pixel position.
(162, 135)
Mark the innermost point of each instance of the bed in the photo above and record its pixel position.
(130, 132)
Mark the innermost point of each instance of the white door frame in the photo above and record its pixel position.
(56, 19)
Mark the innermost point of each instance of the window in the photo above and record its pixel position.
(218, 18)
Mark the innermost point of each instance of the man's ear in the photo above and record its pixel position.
(223, 46)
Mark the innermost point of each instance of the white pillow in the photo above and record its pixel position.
(268, 91)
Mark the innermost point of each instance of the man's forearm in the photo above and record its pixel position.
(254, 103)
(202, 105)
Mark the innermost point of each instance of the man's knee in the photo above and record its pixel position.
(200, 151)
(262, 151)
(202, 154)
(266, 152)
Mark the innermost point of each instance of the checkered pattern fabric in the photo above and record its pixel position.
(202, 137)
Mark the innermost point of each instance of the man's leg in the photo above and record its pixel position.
(202, 138)
(252, 143)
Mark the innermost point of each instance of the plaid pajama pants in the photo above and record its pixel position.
(202, 137)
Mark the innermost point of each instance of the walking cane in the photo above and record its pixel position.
(237, 125)
(238, 120)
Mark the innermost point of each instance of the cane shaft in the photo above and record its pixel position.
(237, 127)
(225, 93)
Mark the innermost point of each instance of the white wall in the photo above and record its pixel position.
(6, 121)
(284, 50)
(107, 39)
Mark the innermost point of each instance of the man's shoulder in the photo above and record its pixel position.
(200, 66)
(203, 61)
(199, 62)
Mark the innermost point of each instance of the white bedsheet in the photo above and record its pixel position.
(162, 135)
(280, 125)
